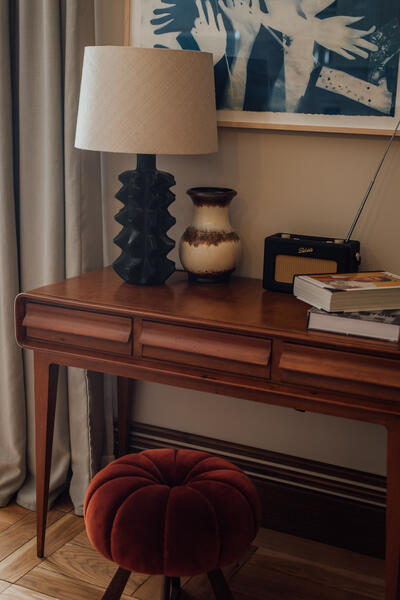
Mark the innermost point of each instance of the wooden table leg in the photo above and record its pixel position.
(393, 511)
(125, 393)
(46, 378)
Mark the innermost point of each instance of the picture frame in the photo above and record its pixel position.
(354, 87)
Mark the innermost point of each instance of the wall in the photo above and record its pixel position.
(297, 182)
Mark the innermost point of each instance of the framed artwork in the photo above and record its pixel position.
(322, 65)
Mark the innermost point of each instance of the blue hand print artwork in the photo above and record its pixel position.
(297, 57)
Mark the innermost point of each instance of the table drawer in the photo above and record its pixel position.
(79, 328)
(208, 350)
(340, 371)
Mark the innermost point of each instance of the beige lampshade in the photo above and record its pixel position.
(147, 101)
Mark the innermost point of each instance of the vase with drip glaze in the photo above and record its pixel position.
(210, 248)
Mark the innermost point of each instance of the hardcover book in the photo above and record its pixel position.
(349, 292)
(383, 325)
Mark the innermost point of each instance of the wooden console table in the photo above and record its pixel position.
(234, 339)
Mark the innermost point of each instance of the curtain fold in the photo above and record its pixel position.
(57, 234)
(12, 395)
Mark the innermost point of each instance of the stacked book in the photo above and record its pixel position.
(365, 304)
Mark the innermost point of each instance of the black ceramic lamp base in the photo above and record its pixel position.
(146, 196)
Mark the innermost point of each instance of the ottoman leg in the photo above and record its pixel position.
(117, 585)
(176, 588)
(171, 589)
(219, 585)
(165, 589)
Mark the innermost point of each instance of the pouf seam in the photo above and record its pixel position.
(89, 500)
(175, 468)
(113, 479)
(243, 496)
(154, 465)
(206, 473)
(166, 520)
(126, 476)
(218, 529)
(139, 468)
(196, 465)
(164, 543)
(115, 516)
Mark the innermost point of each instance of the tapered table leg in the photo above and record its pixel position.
(46, 377)
(393, 512)
(125, 392)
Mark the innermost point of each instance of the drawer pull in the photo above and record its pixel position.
(338, 365)
(77, 322)
(206, 349)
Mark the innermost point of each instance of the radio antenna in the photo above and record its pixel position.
(371, 185)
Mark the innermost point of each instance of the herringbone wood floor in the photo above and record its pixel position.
(277, 567)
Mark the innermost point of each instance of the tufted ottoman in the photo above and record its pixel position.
(171, 512)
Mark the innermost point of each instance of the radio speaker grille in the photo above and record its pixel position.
(286, 267)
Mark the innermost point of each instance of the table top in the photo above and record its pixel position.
(241, 301)
(240, 304)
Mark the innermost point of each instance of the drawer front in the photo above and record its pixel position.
(79, 328)
(339, 371)
(207, 350)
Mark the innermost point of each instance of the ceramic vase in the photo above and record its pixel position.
(210, 249)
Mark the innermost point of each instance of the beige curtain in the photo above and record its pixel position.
(50, 228)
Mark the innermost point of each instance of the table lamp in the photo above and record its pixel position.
(146, 101)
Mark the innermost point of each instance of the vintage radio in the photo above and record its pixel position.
(288, 254)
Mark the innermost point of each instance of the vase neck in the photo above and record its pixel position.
(211, 218)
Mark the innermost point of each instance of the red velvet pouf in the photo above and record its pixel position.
(171, 512)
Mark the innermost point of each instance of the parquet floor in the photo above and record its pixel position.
(277, 567)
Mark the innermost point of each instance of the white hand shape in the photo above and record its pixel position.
(246, 25)
(282, 16)
(335, 34)
(244, 19)
(209, 31)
